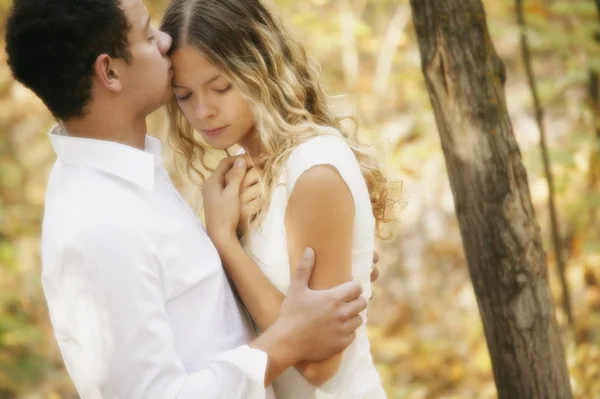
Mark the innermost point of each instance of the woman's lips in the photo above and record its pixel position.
(214, 132)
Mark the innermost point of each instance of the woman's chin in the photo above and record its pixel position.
(218, 143)
(221, 146)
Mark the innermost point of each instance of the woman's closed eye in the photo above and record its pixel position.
(182, 98)
(225, 89)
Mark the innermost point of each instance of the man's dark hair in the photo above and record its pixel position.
(52, 46)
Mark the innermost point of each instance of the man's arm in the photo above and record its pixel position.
(111, 281)
(322, 322)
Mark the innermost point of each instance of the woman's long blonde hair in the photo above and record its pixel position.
(272, 71)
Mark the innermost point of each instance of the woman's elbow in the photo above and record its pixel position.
(318, 378)
(317, 375)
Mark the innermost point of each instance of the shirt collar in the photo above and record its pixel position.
(126, 162)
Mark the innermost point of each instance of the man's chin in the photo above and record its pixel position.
(166, 95)
(161, 100)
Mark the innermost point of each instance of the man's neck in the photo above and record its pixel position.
(103, 126)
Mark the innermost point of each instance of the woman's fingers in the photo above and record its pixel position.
(250, 194)
(252, 177)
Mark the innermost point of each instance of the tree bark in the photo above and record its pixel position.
(501, 237)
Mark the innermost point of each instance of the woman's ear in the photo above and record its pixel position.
(107, 74)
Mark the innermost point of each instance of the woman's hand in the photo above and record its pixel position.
(250, 199)
(221, 197)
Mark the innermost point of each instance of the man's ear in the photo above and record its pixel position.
(107, 73)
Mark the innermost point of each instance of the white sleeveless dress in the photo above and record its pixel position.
(357, 377)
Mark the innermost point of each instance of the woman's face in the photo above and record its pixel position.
(210, 103)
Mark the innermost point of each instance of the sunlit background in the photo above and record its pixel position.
(425, 329)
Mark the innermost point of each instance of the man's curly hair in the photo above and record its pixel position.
(52, 46)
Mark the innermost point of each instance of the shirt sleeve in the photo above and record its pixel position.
(107, 304)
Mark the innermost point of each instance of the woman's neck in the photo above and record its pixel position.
(252, 145)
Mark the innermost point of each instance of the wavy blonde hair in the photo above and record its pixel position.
(271, 69)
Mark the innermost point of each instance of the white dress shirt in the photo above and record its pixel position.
(139, 301)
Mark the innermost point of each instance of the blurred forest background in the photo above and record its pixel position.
(425, 328)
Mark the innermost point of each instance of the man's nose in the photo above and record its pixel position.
(164, 42)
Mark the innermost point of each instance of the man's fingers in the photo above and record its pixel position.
(374, 268)
(353, 308)
(347, 340)
(375, 257)
(348, 291)
(353, 323)
(303, 270)
(374, 273)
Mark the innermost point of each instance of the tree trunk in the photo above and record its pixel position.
(594, 94)
(350, 59)
(501, 237)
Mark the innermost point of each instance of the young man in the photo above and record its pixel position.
(139, 302)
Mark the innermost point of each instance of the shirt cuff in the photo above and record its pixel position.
(251, 362)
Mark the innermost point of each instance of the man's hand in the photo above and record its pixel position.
(321, 323)
(375, 270)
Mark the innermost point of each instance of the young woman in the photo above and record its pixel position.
(240, 78)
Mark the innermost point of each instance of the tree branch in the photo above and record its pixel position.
(539, 116)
